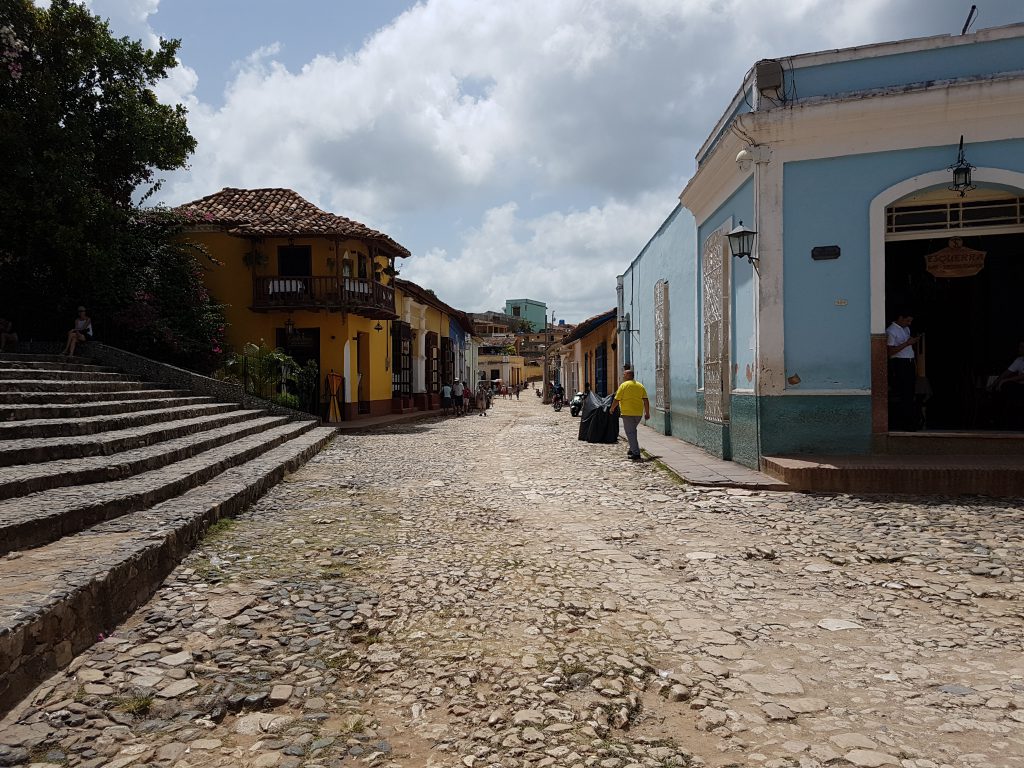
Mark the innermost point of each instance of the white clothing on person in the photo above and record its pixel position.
(896, 335)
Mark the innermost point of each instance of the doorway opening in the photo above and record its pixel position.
(958, 267)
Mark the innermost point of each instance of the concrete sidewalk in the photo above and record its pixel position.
(699, 467)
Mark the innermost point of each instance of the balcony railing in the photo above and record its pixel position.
(348, 294)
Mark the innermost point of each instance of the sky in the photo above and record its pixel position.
(518, 148)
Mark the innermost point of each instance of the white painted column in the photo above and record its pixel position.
(769, 317)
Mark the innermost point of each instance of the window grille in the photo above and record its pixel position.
(956, 215)
(661, 346)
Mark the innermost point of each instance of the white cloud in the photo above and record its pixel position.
(128, 18)
(567, 260)
(459, 105)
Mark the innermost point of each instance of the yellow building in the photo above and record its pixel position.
(322, 287)
(589, 355)
(440, 346)
(508, 369)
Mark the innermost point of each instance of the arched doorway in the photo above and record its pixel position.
(957, 264)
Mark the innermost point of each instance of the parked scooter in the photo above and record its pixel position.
(537, 392)
(576, 404)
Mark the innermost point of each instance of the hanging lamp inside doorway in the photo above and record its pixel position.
(961, 171)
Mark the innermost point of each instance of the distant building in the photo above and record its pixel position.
(589, 355)
(491, 323)
(533, 312)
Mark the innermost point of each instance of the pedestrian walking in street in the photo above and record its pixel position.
(457, 397)
(446, 399)
(518, 390)
(631, 400)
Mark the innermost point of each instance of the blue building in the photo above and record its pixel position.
(530, 310)
(841, 162)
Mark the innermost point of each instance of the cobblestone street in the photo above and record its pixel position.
(491, 592)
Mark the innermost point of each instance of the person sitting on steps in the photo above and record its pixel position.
(81, 332)
(7, 334)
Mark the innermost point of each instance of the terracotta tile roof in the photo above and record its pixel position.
(589, 325)
(278, 213)
(426, 296)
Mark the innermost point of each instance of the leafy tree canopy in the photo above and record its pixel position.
(520, 325)
(83, 133)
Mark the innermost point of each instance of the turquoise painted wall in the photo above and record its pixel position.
(946, 63)
(826, 202)
(669, 255)
(533, 311)
(815, 424)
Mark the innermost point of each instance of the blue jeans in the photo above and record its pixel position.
(630, 423)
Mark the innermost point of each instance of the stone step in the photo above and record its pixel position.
(23, 479)
(922, 474)
(58, 386)
(62, 366)
(28, 357)
(39, 518)
(86, 396)
(42, 449)
(25, 411)
(90, 425)
(56, 600)
(36, 374)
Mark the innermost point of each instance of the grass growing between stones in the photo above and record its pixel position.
(219, 528)
(136, 706)
(676, 479)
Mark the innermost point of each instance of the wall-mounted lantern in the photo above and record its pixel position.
(289, 327)
(961, 173)
(378, 327)
(624, 325)
(741, 243)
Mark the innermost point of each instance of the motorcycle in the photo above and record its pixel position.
(537, 392)
(557, 402)
(576, 404)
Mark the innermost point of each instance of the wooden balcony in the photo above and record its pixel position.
(367, 298)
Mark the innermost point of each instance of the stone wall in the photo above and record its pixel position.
(179, 378)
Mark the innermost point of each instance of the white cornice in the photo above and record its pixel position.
(933, 115)
(988, 110)
(715, 180)
(896, 47)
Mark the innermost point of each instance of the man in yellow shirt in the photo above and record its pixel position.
(631, 399)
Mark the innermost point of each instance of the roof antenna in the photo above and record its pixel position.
(971, 17)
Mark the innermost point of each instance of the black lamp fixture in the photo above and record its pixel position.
(289, 327)
(378, 327)
(741, 243)
(961, 173)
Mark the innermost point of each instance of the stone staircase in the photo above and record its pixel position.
(106, 482)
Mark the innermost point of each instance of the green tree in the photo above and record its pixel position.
(165, 310)
(82, 132)
(520, 325)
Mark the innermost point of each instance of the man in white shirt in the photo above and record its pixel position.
(457, 391)
(1015, 373)
(1010, 392)
(902, 373)
(446, 399)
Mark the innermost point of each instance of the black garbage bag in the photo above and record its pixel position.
(597, 424)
